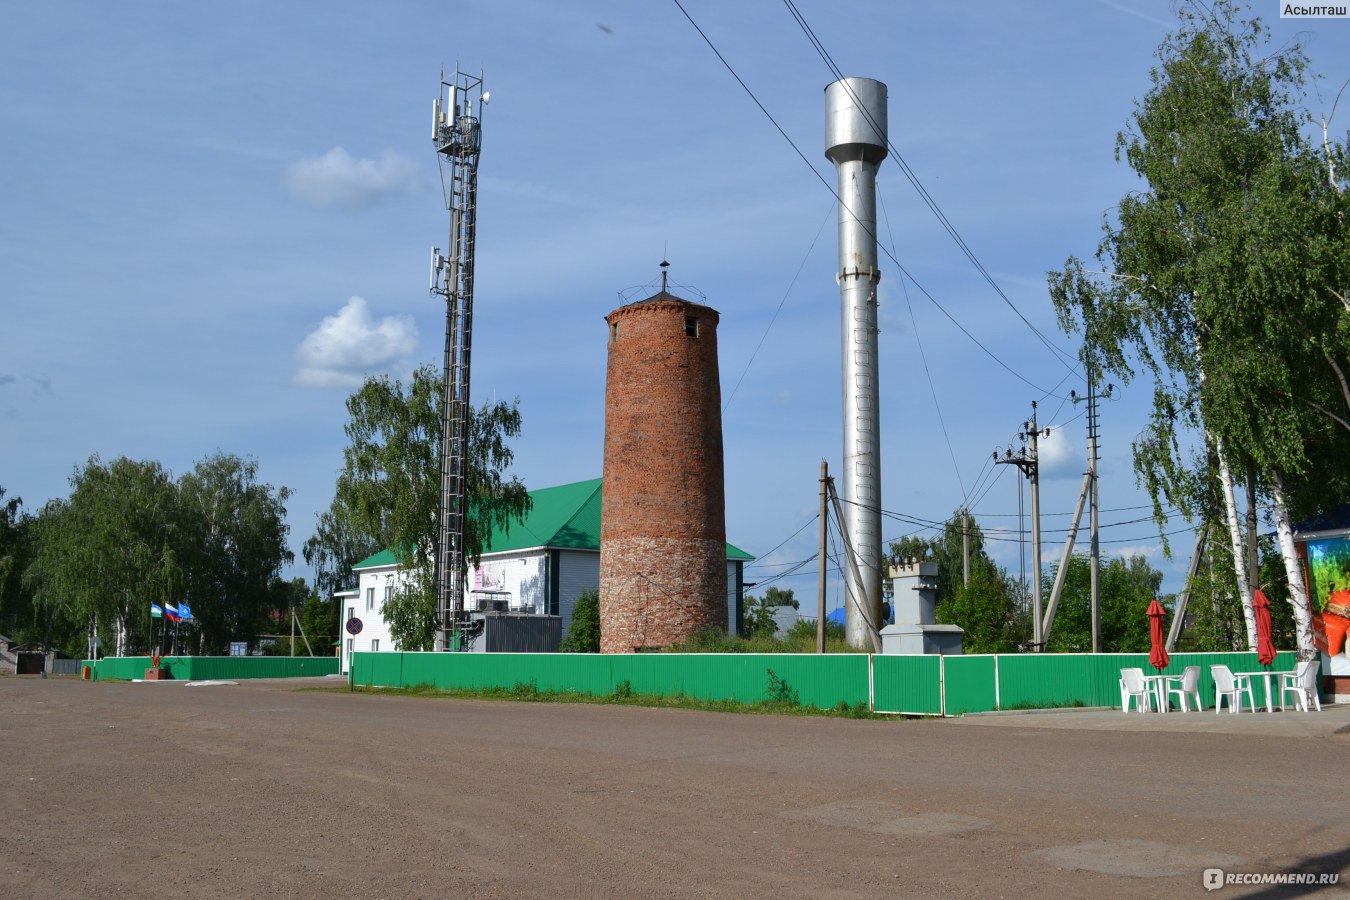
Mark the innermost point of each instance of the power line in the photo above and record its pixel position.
(790, 286)
(923, 356)
(1018, 375)
(921, 190)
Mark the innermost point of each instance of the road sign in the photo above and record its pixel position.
(354, 625)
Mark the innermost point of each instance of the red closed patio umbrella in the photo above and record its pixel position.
(1265, 647)
(1157, 654)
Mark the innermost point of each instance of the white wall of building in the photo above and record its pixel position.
(521, 578)
(374, 586)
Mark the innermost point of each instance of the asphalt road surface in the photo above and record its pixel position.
(264, 789)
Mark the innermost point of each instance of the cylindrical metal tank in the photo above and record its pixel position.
(663, 560)
(855, 141)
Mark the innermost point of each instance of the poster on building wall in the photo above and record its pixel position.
(1329, 572)
(489, 578)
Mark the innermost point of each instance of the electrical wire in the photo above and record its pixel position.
(786, 539)
(774, 318)
(1018, 375)
(923, 356)
(923, 191)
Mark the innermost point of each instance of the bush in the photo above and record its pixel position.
(780, 691)
(583, 635)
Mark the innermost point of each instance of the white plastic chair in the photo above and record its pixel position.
(1226, 684)
(1183, 685)
(1302, 683)
(1133, 685)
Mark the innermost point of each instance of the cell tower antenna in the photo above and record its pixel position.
(457, 134)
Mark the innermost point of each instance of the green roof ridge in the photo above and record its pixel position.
(562, 517)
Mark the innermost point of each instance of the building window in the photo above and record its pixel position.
(388, 592)
(351, 645)
(370, 598)
(374, 645)
(351, 612)
(614, 333)
(691, 326)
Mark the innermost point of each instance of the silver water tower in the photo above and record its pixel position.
(855, 141)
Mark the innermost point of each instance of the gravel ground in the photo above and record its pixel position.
(266, 789)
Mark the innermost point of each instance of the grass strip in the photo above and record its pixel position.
(527, 692)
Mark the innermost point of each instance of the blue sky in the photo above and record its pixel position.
(216, 220)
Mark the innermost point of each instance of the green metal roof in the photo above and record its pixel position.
(383, 558)
(566, 517)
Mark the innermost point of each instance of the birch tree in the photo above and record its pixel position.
(390, 486)
(1220, 281)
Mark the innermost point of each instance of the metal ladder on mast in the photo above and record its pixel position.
(457, 135)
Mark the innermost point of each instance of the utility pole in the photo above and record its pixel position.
(1028, 463)
(862, 608)
(820, 582)
(1095, 547)
(965, 546)
(1034, 433)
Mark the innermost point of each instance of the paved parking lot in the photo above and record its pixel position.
(265, 789)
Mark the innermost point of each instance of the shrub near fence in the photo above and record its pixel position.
(914, 685)
(190, 668)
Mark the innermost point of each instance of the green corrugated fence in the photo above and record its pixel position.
(818, 681)
(192, 668)
(914, 685)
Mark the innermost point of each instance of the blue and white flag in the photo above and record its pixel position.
(155, 611)
(184, 611)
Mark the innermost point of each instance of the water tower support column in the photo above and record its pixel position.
(855, 141)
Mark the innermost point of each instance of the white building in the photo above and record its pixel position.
(538, 566)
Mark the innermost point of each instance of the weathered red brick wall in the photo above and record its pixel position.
(663, 569)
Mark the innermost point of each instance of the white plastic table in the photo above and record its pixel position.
(1158, 684)
(1266, 676)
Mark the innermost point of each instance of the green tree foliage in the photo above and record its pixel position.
(232, 531)
(759, 620)
(1225, 276)
(335, 547)
(583, 635)
(1214, 616)
(388, 494)
(16, 602)
(112, 547)
(317, 617)
(128, 535)
(1127, 586)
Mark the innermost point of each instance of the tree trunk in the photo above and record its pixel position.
(1253, 560)
(1235, 536)
(1298, 596)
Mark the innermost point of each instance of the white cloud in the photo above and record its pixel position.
(1060, 454)
(337, 179)
(1144, 550)
(347, 346)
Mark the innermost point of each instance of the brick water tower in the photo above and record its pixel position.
(663, 556)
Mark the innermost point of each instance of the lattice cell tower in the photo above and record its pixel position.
(457, 133)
